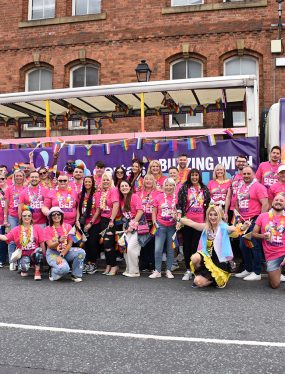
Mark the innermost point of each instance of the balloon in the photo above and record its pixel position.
(45, 157)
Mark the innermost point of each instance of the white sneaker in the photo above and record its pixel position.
(174, 267)
(132, 275)
(155, 274)
(243, 274)
(282, 278)
(12, 266)
(253, 277)
(187, 276)
(169, 275)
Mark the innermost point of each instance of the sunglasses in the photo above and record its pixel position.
(56, 215)
(26, 215)
(62, 180)
(43, 173)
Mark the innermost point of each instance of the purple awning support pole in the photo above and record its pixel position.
(282, 122)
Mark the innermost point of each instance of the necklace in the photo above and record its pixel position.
(26, 236)
(245, 190)
(103, 198)
(60, 197)
(33, 197)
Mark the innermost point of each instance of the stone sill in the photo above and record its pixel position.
(212, 7)
(63, 20)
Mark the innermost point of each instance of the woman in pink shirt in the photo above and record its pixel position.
(3, 245)
(30, 239)
(11, 217)
(154, 168)
(163, 213)
(219, 186)
(131, 207)
(109, 207)
(135, 178)
(88, 219)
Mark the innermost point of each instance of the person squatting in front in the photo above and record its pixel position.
(210, 264)
(60, 252)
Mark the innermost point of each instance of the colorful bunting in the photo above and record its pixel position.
(88, 149)
(106, 148)
(58, 145)
(211, 140)
(125, 144)
(229, 132)
(191, 143)
(172, 145)
(156, 146)
(71, 149)
(139, 143)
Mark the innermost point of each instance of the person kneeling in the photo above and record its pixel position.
(210, 264)
(59, 248)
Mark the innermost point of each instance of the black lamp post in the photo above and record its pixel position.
(143, 72)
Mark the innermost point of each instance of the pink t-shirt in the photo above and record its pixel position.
(67, 200)
(275, 189)
(97, 181)
(106, 204)
(275, 246)
(2, 206)
(76, 186)
(69, 176)
(135, 204)
(236, 182)
(177, 187)
(12, 194)
(147, 202)
(165, 205)
(266, 173)
(249, 197)
(95, 205)
(218, 191)
(37, 237)
(53, 233)
(159, 182)
(34, 197)
(195, 204)
(182, 175)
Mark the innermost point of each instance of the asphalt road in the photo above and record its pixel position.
(244, 311)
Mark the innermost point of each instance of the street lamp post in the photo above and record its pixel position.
(143, 73)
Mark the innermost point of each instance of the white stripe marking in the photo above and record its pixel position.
(142, 336)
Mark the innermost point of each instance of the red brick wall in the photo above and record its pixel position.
(134, 30)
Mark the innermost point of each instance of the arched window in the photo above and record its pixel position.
(41, 9)
(39, 79)
(83, 76)
(184, 69)
(242, 65)
(82, 7)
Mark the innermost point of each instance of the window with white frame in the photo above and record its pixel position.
(41, 9)
(186, 2)
(83, 76)
(37, 79)
(243, 65)
(184, 69)
(82, 7)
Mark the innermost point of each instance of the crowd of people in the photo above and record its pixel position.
(69, 220)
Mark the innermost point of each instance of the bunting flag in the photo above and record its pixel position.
(13, 146)
(58, 145)
(156, 146)
(191, 111)
(125, 144)
(191, 143)
(75, 235)
(71, 149)
(106, 148)
(229, 132)
(144, 159)
(139, 143)
(172, 145)
(88, 149)
(219, 103)
(211, 140)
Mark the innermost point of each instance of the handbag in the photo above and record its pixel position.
(143, 227)
(17, 254)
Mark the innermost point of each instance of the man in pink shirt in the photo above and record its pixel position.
(266, 173)
(78, 176)
(98, 172)
(278, 187)
(182, 161)
(252, 199)
(270, 227)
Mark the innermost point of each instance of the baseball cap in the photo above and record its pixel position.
(281, 168)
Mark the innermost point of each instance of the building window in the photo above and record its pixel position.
(82, 76)
(184, 69)
(240, 66)
(39, 79)
(41, 9)
(186, 2)
(82, 7)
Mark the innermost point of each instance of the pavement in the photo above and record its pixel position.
(243, 312)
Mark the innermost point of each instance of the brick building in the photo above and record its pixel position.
(70, 43)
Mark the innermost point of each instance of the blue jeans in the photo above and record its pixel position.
(36, 257)
(252, 257)
(13, 222)
(3, 247)
(164, 235)
(75, 256)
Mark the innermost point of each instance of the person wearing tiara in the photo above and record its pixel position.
(30, 239)
(211, 263)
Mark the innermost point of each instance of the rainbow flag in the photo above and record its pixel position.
(107, 148)
(57, 145)
(175, 243)
(139, 143)
(71, 149)
(153, 230)
(125, 144)
(229, 132)
(191, 143)
(173, 145)
(75, 235)
(212, 140)
(236, 218)
(156, 146)
(88, 150)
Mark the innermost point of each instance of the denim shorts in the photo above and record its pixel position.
(274, 264)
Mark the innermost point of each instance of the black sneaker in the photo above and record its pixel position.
(194, 285)
(76, 279)
(92, 269)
